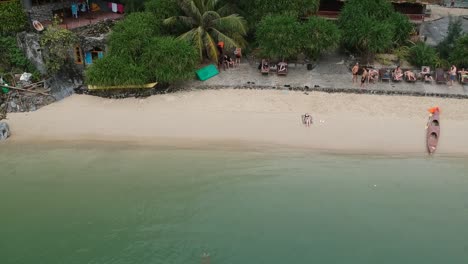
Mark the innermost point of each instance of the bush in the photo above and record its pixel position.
(112, 70)
(130, 36)
(168, 60)
(446, 46)
(57, 43)
(370, 26)
(279, 36)
(459, 55)
(319, 35)
(12, 17)
(423, 55)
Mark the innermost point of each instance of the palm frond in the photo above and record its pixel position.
(194, 36)
(190, 8)
(231, 23)
(184, 20)
(229, 43)
(208, 18)
(211, 5)
(210, 46)
(226, 9)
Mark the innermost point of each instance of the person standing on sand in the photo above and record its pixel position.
(452, 3)
(364, 77)
(355, 70)
(453, 74)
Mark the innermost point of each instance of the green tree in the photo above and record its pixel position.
(292, 7)
(209, 22)
(169, 60)
(12, 17)
(319, 35)
(370, 26)
(454, 31)
(133, 6)
(422, 55)
(279, 36)
(459, 56)
(162, 9)
(130, 36)
(57, 43)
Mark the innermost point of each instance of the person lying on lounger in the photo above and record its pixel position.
(282, 66)
(373, 75)
(265, 66)
(410, 76)
(398, 74)
(427, 75)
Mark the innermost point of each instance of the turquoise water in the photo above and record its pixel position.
(140, 205)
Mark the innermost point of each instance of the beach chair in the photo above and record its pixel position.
(265, 67)
(384, 75)
(440, 76)
(394, 78)
(463, 78)
(282, 68)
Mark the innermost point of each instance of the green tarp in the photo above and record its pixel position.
(207, 72)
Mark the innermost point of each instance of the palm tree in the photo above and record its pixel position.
(209, 23)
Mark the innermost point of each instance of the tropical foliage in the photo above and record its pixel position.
(167, 60)
(454, 31)
(319, 35)
(130, 36)
(209, 21)
(296, 8)
(459, 55)
(422, 55)
(12, 17)
(57, 43)
(279, 36)
(371, 26)
(138, 55)
(162, 9)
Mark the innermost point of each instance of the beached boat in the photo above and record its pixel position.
(433, 132)
(139, 86)
(37, 25)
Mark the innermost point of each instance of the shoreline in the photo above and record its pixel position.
(249, 119)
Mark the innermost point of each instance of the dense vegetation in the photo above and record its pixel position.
(371, 26)
(12, 59)
(138, 54)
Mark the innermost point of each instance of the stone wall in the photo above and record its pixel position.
(44, 12)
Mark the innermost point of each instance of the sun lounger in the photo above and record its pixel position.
(384, 75)
(265, 67)
(282, 68)
(463, 78)
(440, 76)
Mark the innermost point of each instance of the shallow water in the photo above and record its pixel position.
(139, 205)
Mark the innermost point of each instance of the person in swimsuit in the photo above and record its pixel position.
(355, 72)
(426, 74)
(410, 76)
(307, 119)
(453, 74)
(238, 54)
(463, 75)
(365, 75)
(397, 74)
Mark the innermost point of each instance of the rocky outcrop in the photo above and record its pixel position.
(4, 131)
(29, 43)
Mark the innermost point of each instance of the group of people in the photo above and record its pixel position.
(227, 61)
(372, 75)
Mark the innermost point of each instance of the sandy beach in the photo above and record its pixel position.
(349, 123)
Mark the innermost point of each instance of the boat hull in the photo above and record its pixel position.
(433, 133)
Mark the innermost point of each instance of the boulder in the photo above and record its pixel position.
(4, 131)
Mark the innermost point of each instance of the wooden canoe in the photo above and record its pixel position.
(433, 133)
(141, 86)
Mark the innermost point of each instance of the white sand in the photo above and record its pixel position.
(352, 123)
